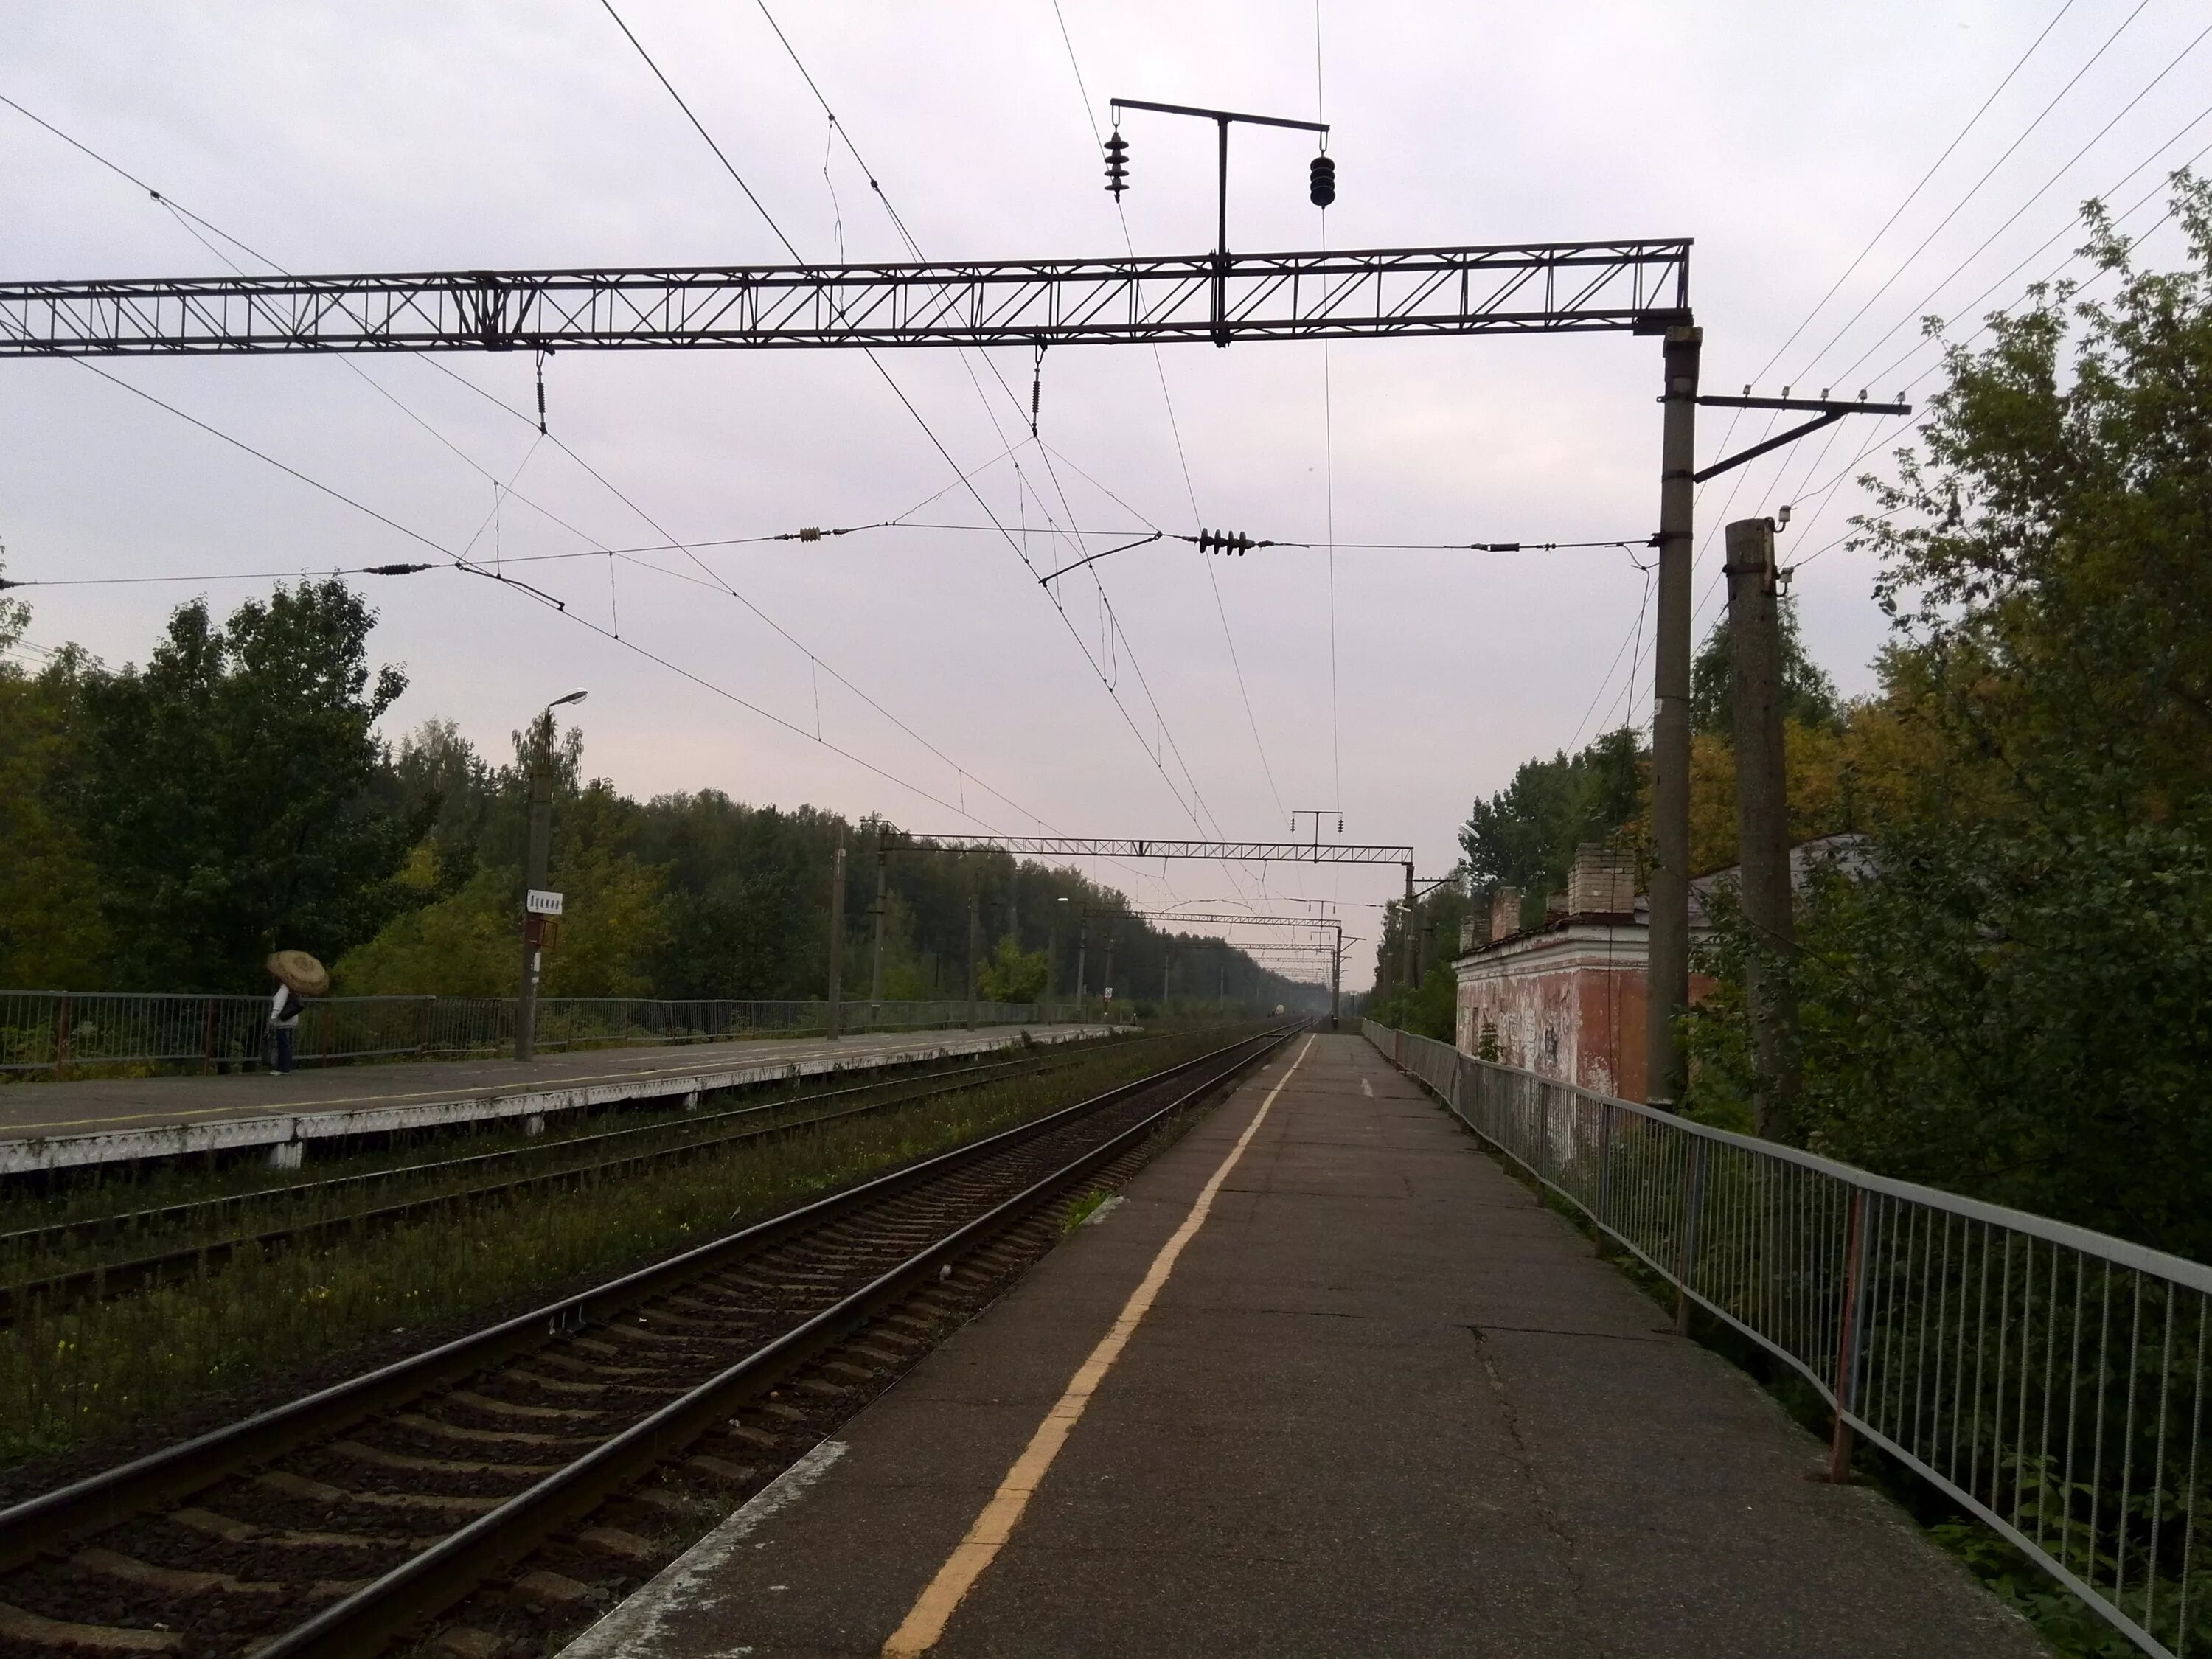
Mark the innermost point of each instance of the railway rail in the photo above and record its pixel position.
(606, 1154)
(572, 1436)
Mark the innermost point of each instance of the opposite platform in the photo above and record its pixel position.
(51, 1124)
(1383, 1403)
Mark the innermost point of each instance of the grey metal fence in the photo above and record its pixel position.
(54, 1030)
(2051, 1379)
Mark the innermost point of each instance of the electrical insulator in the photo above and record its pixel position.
(1321, 189)
(812, 533)
(1117, 164)
(1224, 541)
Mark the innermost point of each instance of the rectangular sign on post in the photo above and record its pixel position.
(542, 903)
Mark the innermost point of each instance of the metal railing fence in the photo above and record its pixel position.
(55, 1030)
(2049, 1379)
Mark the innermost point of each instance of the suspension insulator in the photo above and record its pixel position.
(1117, 164)
(1321, 188)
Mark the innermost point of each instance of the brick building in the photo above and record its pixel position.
(1567, 998)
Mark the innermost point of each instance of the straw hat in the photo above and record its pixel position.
(301, 972)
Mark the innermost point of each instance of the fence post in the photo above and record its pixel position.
(422, 1027)
(207, 1037)
(1693, 1210)
(62, 1034)
(1847, 1322)
(1604, 1172)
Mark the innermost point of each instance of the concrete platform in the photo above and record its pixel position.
(1382, 1404)
(56, 1125)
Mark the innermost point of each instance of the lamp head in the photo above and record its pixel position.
(577, 695)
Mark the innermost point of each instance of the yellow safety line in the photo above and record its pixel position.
(925, 1624)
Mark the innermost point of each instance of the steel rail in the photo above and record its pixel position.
(363, 1623)
(104, 1279)
(39, 1525)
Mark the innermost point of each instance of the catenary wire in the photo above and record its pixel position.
(193, 219)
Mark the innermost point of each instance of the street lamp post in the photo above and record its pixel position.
(537, 903)
(1051, 950)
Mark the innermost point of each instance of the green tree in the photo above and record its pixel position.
(228, 791)
(51, 935)
(1809, 695)
(1525, 835)
(2014, 1002)
(1012, 975)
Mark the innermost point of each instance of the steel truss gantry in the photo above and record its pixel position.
(1639, 287)
(1540, 288)
(1257, 852)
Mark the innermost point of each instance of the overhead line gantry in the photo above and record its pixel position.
(1634, 287)
(1548, 288)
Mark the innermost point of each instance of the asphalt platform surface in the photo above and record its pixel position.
(1384, 1404)
(97, 1105)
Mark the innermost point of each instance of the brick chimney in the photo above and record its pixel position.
(1504, 913)
(1602, 881)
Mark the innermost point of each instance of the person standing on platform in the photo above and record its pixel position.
(299, 976)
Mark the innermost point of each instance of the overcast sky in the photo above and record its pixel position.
(530, 133)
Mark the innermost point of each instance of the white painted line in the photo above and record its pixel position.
(925, 1623)
(634, 1627)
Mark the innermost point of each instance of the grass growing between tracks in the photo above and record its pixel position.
(108, 1217)
(101, 1371)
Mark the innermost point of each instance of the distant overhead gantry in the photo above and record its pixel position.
(1253, 851)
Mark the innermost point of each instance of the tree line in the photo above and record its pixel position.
(163, 826)
(2007, 991)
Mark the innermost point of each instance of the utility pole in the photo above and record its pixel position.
(876, 973)
(1336, 979)
(1082, 948)
(541, 844)
(1167, 978)
(975, 931)
(1667, 982)
(1762, 819)
(1109, 976)
(837, 933)
(1407, 989)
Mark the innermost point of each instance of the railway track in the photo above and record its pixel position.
(527, 1473)
(484, 1176)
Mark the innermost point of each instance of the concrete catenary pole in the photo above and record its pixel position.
(1336, 979)
(837, 934)
(1667, 982)
(1406, 989)
(1106, 980)
(975, 933)
(1082, 950)
(1762, 817)
(1167, 978)
(875, 972)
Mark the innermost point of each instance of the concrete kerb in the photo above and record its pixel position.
(286, 1138)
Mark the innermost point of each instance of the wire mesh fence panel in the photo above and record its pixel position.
(57, 1031)
(2050, 1380)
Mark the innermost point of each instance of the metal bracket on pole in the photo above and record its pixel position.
(1827, 413)
(1221, 118)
